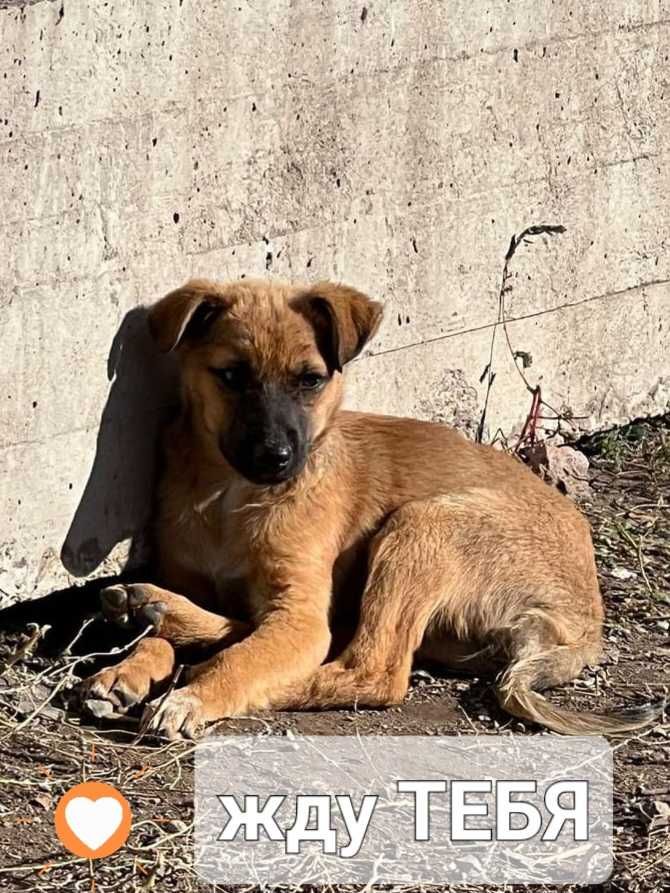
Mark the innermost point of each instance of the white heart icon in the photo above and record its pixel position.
(93, 821)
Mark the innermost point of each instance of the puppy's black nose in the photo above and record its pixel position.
(271, 458)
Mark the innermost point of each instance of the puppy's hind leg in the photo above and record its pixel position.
(411, 571)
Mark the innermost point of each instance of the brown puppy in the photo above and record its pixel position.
(282, 517)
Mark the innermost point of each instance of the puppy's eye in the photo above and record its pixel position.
(233, 377)
(311, 381)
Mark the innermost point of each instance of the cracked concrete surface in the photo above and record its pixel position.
(398, 150)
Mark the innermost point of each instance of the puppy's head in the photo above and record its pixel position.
(261, 365)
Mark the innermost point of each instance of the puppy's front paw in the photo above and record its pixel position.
(116, 689)
(180, 715)
(134, 604)
(113, 690)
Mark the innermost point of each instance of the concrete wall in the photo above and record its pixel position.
(394, 145)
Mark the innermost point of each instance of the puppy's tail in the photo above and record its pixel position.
(516, 696)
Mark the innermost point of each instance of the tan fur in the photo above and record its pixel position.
(136, 678)
(413, 538)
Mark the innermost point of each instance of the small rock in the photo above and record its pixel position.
(657, 814)
(622, 573)
(564, 467)
(98, 708)
(43, 800)
(421, 675)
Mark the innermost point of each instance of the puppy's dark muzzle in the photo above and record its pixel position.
(268, 442)
(272, 459)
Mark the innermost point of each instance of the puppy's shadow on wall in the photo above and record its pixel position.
(116, 503)
(117, 500)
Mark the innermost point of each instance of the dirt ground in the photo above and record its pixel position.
(45, 749)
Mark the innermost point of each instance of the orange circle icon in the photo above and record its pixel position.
(92, 820)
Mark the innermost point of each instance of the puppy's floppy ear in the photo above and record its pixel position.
(187, 310)
(344, 320)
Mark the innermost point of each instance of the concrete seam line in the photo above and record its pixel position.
(510, 320)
